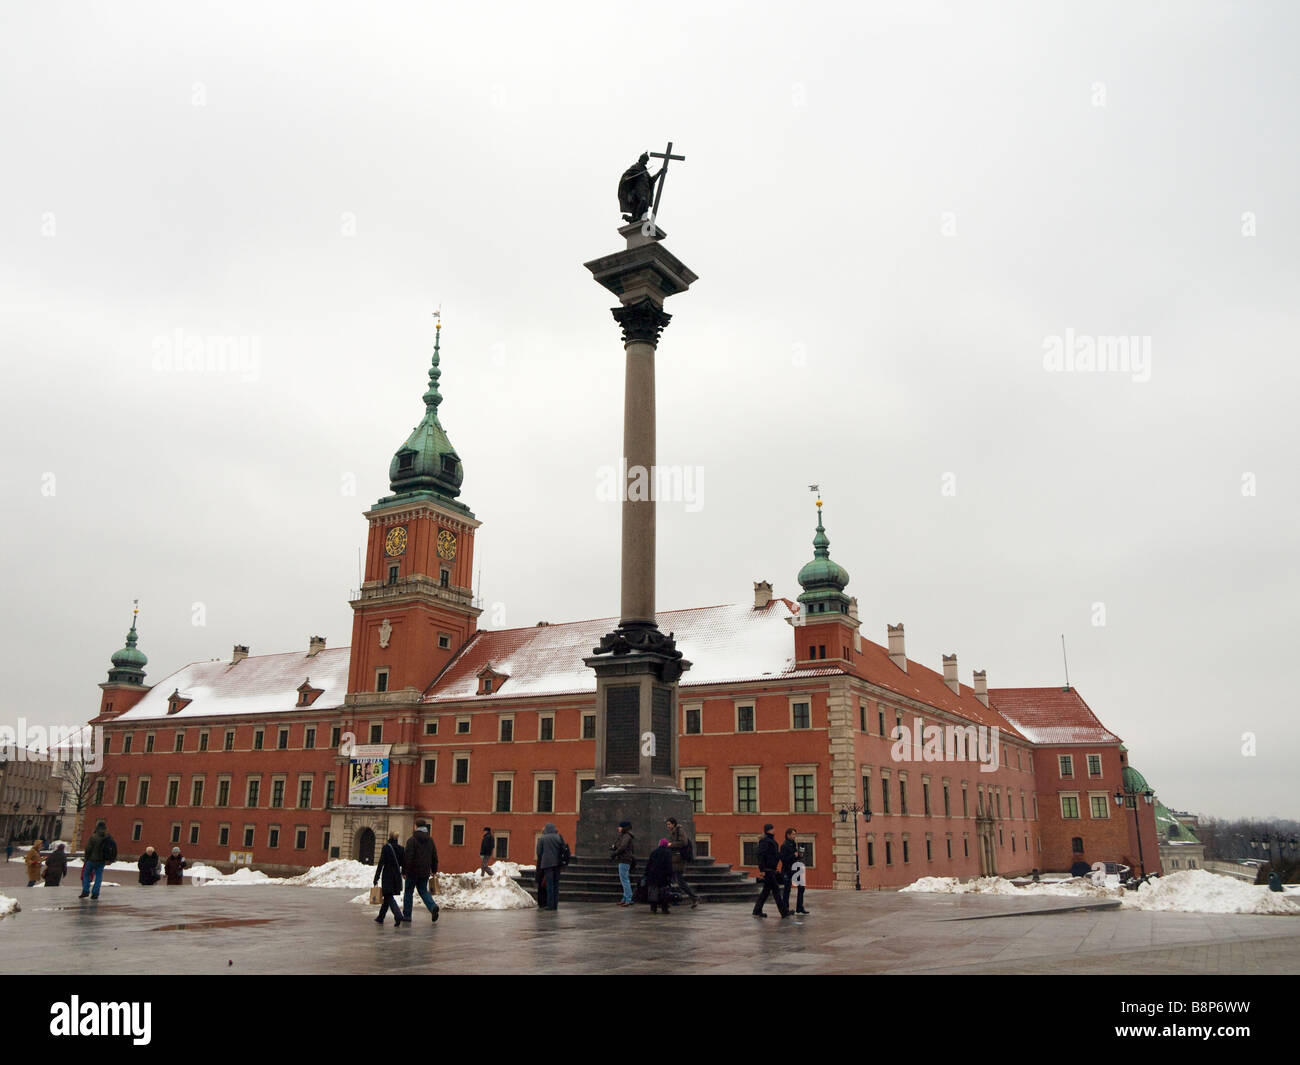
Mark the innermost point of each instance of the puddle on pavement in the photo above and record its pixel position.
(212, 922)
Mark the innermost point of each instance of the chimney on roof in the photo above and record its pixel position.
(950, 672)
(896, 653)
(982, 686)
(239, 654)
(762, 594)
(315, 645)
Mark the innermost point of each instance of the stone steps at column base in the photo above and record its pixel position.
(591, 880)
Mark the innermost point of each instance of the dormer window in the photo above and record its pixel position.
(307, 694)
(405, 460)
(176, 702)
(489, 680)
(449, 464)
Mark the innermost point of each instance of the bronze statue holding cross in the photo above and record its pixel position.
(637, 191)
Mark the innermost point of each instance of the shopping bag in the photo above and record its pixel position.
(376, 895)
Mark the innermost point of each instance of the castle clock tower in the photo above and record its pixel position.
(415, 607)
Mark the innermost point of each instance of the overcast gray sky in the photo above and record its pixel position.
(897, 213)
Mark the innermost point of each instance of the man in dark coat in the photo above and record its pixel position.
(92, 868)
(658, 876)
(148, 866)
(768, 856)
(389, 868)
(677, 841)
(486, 849)
(789, 855)
(420, 862)
(552, 854)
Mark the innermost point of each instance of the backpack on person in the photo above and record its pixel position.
(565, 853)
(108, 850)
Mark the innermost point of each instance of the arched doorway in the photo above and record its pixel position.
(366, 846)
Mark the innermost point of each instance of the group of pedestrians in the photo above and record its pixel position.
(781, 868)
(665, 868)
(173, 868)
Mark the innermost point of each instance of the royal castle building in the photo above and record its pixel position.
(790, 714)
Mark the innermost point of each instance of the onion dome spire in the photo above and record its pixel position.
(129, 662)
(427, 464)
(823, 581)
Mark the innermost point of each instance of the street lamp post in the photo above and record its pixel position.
(1148, 797)
(855, 809)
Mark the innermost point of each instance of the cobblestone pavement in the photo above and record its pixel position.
(190, 929)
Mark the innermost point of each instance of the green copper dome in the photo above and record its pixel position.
(427, 462)
(1134, 781)
(129, 662)
(823, 581)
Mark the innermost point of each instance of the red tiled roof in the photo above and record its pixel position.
(928, 686)
(1051, 715)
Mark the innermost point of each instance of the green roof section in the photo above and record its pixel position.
(1169, 827)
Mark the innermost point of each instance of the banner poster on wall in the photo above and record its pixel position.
(368, 775)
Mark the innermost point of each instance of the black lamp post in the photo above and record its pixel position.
(1148, 797)
(855, 809)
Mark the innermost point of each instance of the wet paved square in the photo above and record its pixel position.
(239, 930)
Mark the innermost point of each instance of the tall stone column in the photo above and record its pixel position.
(637, 666)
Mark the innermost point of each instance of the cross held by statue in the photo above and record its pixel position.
(666, 155)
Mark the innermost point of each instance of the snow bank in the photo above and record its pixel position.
(8, 906)
(1188, 891)
(471, 891)
(342, 872)
(1200, 891)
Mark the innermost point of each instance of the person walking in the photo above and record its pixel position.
(147, 863)
(56, 865)
(420, 863)
(798, 877)
(486, 849)
(101, 849)
(681, 846)
(789, 854)
(769, 855)
(620, 851)
(659, 876)
(9, 850)
(33, 860)
(175, 867)
(390, 868)
(552, 856)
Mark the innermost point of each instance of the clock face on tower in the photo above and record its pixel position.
(446, 544)
(395, 541)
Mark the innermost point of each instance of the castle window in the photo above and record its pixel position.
(444, 577)
(588, 726)
(392, 574)
(377, 733)
(744, 719)
(179, 746)
(444, 641)
(449, 464)
(405, 460)
(381, 680)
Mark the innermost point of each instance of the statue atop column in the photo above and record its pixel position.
(639, 191)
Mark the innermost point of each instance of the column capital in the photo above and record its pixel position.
(642, 321)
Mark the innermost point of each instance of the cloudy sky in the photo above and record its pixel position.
(911, 224)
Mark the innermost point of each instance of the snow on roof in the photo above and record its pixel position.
(723, 643)
(1050, 716)
(258, 684)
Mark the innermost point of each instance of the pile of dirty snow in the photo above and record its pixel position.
(1200, 891)
(207, 876)
(8, 906)
(471, 891)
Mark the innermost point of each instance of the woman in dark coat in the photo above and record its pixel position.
(56, 866)
(389, 870)
(658, 875)
(148, 866)
(175, 868)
